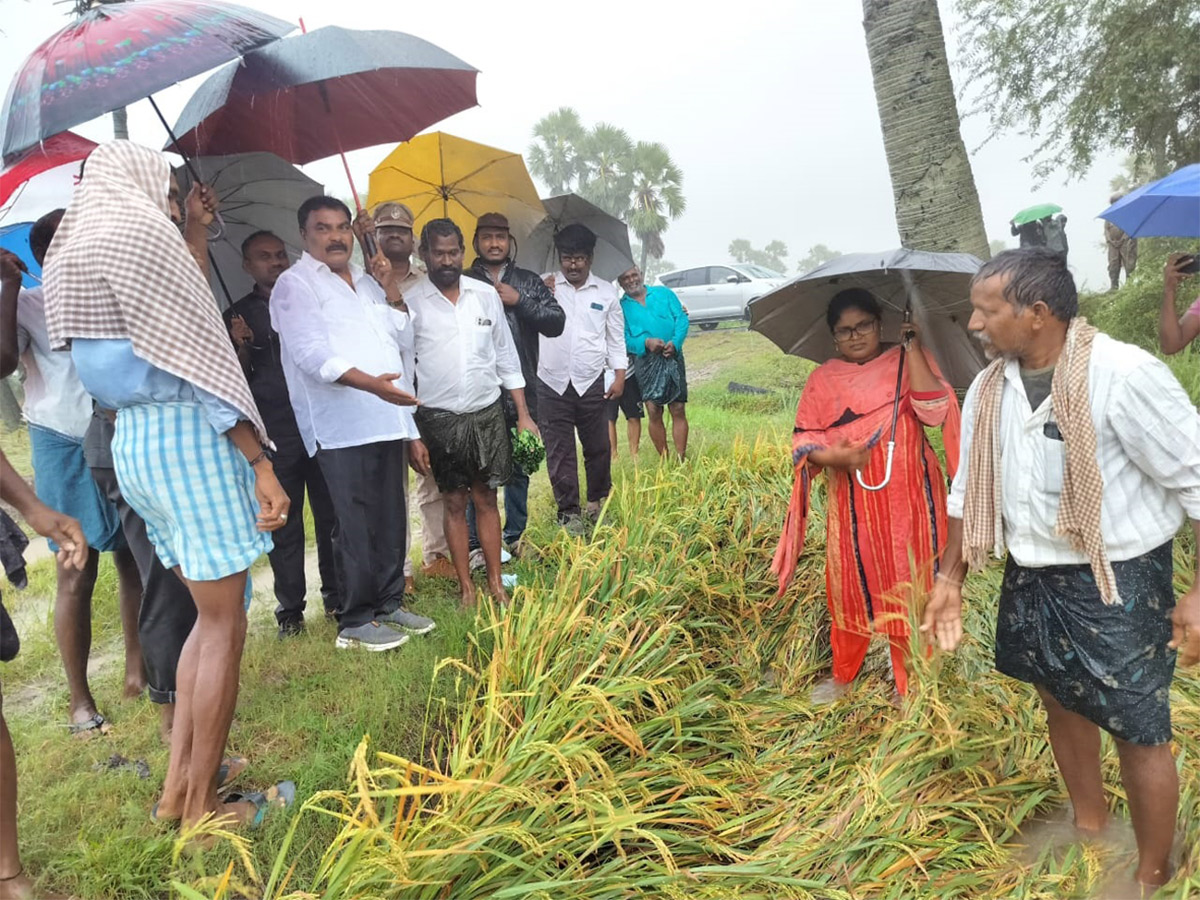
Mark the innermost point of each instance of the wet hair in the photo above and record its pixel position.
(852, 298)
(42, 233)
(1035, 274)
(312, 204)
(575, 238)
(436, 228)
(254, 237)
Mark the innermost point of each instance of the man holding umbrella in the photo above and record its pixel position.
(531, 311)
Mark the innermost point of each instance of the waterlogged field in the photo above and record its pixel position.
(636, 725)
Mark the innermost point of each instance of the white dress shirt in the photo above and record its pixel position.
(594, 336)
(1147, 444)
(327, 328)
(54, 395)
(465, 352)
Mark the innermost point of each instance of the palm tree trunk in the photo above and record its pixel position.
(642, 264)
(120, 119)
(937, 206)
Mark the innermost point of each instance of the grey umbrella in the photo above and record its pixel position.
(612, 256)
(933, 288)
(257, 192)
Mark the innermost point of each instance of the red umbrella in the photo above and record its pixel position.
(325, 92)
(60, 150)
(121, 52)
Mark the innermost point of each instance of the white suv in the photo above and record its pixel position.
(713, 294)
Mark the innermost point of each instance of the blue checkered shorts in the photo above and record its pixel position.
(192, 486)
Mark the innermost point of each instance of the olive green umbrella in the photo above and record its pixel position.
(1036, 212)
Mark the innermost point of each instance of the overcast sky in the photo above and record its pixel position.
(768, 109)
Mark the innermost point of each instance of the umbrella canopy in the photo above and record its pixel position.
(60, 150)
(258, 192)
(121, 52)
(612, 256)
(15, 239)
(1033, 213)
(1169, 207)
(325, 92)
(937, 285)
(441, 176)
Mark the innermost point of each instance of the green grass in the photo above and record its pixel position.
(688, 566)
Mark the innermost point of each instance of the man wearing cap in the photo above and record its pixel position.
(393, 227)
(265, 258)
(570, 386)
(532, 312)
(465, 356)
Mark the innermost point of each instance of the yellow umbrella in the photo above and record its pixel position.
(438, 175)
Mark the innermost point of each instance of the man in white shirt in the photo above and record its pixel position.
(1081, 455)
(58, 411)
(465, 355)
(341, 345)
(571, 392)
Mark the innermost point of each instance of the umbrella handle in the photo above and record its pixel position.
(887, 472)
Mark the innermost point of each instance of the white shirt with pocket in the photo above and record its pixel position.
(1147, 444)
(594, 336)
(54, 396)
(465, 351)
(327, 328)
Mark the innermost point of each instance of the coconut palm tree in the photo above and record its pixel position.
(657, 196)
(554, 154)
(937, 206)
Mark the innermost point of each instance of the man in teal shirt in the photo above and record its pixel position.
(655, 328)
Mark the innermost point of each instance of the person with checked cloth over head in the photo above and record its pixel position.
(1081, 456)
(124, 293)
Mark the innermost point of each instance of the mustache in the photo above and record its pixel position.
(336, 245)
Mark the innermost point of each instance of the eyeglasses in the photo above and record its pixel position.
(862, 329)
(573, 258)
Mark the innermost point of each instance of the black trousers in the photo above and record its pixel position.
(298, 472)
(168, 611)
(559, 418)
(366, 484)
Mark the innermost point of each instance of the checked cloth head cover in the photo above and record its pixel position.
(119, 268)
(1079, 509)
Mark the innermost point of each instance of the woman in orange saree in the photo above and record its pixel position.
(883, 547)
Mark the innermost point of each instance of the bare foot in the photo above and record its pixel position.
(828, 691)
(135, 684)
(166, 721)
(20, 887)
(499, 594)
(467, 600)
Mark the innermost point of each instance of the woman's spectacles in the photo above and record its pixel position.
(862, 329)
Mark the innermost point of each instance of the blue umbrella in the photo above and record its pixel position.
(15, 239)
(1169, 207)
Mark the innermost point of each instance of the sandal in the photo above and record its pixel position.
(86, 729)
(231, 768)
(280, 796)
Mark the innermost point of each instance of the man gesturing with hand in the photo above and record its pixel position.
(344, 339)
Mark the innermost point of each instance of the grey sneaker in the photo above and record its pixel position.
(477, 561)
(576, 526)
(371, 636)
(408, 621)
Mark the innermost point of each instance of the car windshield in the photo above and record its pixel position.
(758, 272)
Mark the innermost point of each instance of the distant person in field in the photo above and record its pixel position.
(146, 339)
(465, 357)
(1080, 457)
(882, 548)
(1122, 250)
(265, 258)
(1175, 332)
(571, 390)
(655, 328)
(345, 335)
(531, 311)
(67, 534)
(58, 411)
